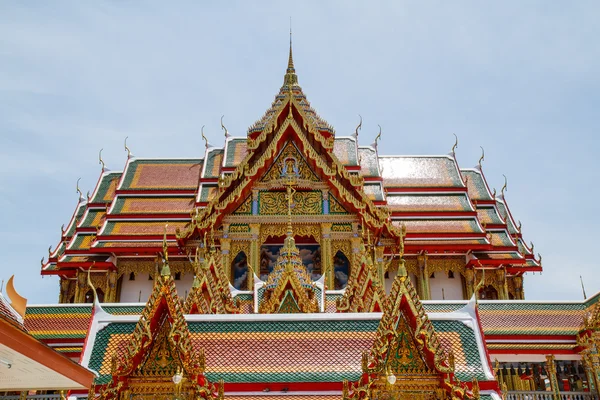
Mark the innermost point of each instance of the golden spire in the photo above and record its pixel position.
(290, 76)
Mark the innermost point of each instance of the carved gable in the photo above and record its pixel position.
(289, 154)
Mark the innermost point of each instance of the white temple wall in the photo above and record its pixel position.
(130, 290)
(453, 288)
(389, 281)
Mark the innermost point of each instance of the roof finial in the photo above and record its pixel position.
(582, 287)
(204, 137)
(358, 127)
(378, 137)
(504, 188)
(79, 190)
(482, 158)
(127, 148)
(290, 76)
(223, 127)
(165, 271)
(455, 143)
(101, 161)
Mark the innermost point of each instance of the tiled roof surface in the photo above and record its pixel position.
(531, 318)
(461, 339)
(162, 175)
(445, 242)
(476, 185)
(368, 161)
(58, 322)
(78, 214)
(93, 217)
(207, 192)
(237, 148)
(152, 205)
(374, 191)
(141, 228)
(81, 242)
(501, 238)
(428, 202)
(288, 351)
(213, 163)
(107, 187)
(419, 172)
(488, 215)
(439, 225)
(504, 213)
(345, 151)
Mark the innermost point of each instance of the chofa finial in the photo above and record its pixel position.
(79, 190)
(455, 144)
(204, 137)
(505, 187)
(223, 127)
(101, 161)
(482, 158)
(127, 148)
(378, 137)
(358, 127)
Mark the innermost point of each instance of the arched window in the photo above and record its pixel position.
(488, 293)
(132, 276)
(341, 270)
(239, 271)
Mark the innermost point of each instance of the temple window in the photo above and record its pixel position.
(432, 276)
(177, 276)
(89, 296)
(239, 271)
(132, 276)
(451, 274)
(150, 277)
(341, 268)
(488, 293)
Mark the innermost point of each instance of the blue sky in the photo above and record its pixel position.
(518, 78)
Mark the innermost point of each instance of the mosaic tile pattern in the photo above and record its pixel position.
(368, 162)
(142, 228)
(153, 205)
(428, 202)
(439, 225)
(460, 338)
(488, 215)
(162, 175)
(106, 188)
(476, 185)
(345, 151)
(419, 172)
(213, 163)
(237, 149)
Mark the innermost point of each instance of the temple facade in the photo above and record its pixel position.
(294, 263)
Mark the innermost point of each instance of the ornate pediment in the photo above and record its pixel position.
(291, 158)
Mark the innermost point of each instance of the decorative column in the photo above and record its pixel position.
(425, 293)
(63, 297)
(254, 256)
(226, 258)
(591, 370)
(81, 288)
(379, 263)
(326, 256)
(551, 371)
(255, 202)
(469, 282)
(111, 287)
(518, 284)
(501, 284)
(325, 193)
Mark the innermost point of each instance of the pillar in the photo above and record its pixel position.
(254, 256)
(255, 202)
(325, 201)
(81, 288)
(380, 264)
(423, 277)
(226, 259)
(111, 287)
(469, 282)
(518, 284)
(590, 364)
(327, 256)
(501, 284)
(551, 371)
(64, 290)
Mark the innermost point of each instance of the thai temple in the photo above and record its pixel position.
(294, 263)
